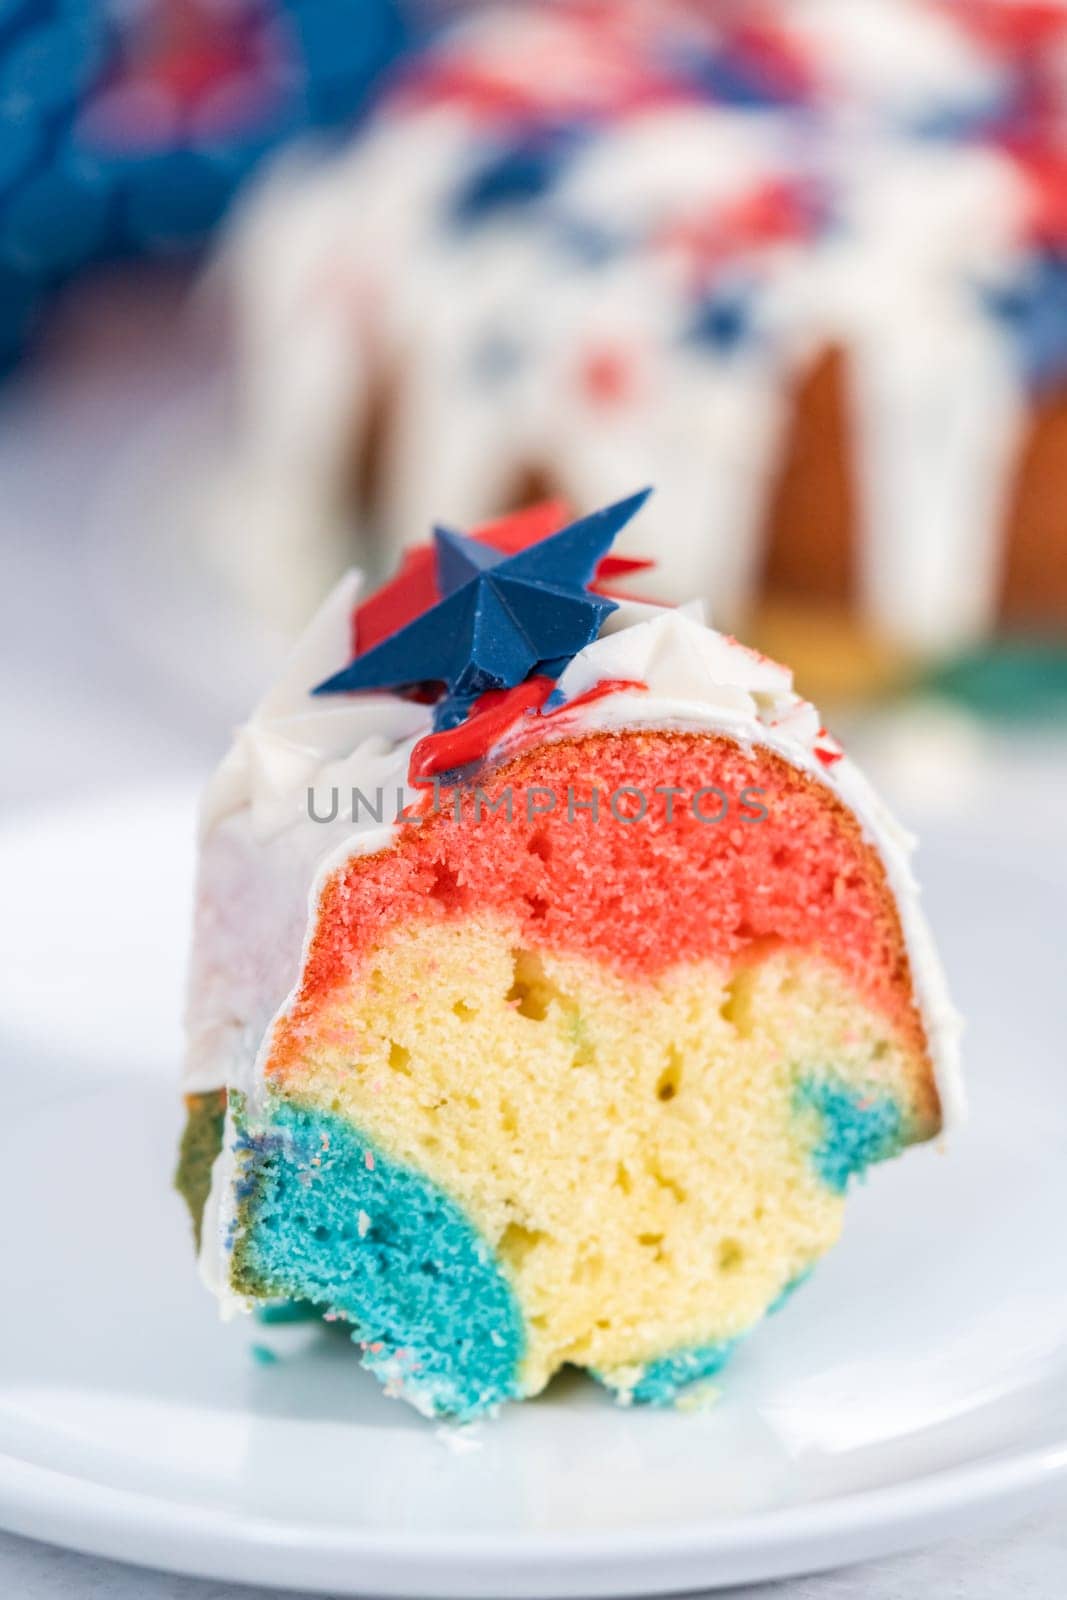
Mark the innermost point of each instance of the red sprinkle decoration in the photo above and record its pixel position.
(775, 212)
(607, 376)
(827, 750)
(1045, 171)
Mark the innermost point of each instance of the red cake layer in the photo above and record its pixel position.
(637, 897)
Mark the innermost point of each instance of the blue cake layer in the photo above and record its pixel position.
(855, 1129)
(661, 1381)
(328, 1218)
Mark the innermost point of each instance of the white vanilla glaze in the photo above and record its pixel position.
(347, 276)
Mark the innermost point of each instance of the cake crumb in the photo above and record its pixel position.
(463, 1439)
(699, 1397)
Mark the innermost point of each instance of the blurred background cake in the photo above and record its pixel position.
(805, 264)
(282, 282)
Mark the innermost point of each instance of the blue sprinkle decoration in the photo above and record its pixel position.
(501, 618)
(588, 243)
(722, 321)
(515, 175)
(730, 79)
(1033, 309)
(958, 120)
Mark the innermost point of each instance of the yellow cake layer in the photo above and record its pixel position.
(634, 1152)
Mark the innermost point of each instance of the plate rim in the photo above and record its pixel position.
(148, 1529)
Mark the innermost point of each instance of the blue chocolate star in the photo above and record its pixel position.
(500, 619)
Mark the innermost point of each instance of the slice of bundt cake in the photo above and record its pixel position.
(554, 995)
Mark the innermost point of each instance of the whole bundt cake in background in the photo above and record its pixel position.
(804, 264)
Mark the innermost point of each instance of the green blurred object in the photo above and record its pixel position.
(1013, 679)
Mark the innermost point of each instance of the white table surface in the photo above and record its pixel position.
(78, 704)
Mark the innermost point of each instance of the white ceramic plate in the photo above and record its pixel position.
(913, 1389)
